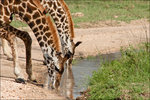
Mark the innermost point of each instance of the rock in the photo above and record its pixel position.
(78, 14)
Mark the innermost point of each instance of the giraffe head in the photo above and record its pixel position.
(58, 66)
(69, 47)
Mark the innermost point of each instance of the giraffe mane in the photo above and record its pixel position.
(50, 24)
(54, 33)
(38, 4)
(71, 26)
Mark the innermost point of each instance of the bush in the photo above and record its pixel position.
(126, 78)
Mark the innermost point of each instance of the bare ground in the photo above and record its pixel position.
(106, 37)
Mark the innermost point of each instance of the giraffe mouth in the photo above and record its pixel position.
(59, 71)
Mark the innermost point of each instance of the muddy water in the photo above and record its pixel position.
(83, 69)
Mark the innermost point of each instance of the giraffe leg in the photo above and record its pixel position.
(6, 49)
(17, 70)
(11, 39)
(28, 43)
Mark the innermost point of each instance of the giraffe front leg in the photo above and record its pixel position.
(6, 49)
(28, 44)
(17, 70)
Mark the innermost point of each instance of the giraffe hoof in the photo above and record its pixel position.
(34, 81)
(20, 80)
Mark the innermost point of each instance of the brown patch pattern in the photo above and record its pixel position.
(71, 26)
(54, 32)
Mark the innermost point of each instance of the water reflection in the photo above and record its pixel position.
(84, 68)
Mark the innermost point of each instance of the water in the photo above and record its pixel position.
(84, 68)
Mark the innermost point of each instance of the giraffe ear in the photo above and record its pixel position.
(77, 44)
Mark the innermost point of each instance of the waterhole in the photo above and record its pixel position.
(83, 69)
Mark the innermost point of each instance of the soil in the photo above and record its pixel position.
(102, 37)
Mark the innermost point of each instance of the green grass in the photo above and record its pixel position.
(96, 10)
(126, 78)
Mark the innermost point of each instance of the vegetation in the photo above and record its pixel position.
(126, 78)
(101, 10)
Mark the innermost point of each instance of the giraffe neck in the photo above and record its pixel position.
(71, 25)
(59, 16)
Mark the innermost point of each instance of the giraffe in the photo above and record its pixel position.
(40, 25)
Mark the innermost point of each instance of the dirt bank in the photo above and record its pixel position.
(107, 39)
(102, 39)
